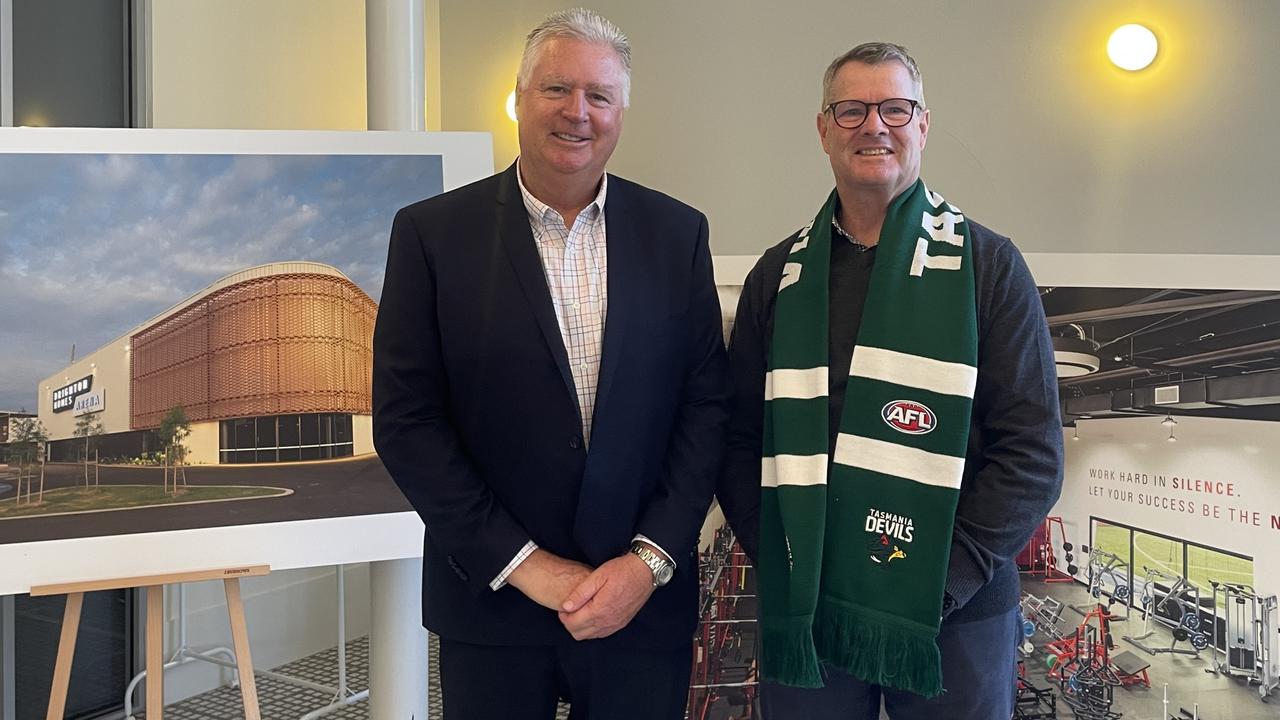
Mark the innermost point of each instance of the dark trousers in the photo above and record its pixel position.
(979, 671)
(600, 682)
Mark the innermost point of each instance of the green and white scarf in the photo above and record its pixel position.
(853, 553)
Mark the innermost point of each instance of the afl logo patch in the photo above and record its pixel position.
(909, 417)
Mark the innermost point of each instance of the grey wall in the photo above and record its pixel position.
(1033, 132)
(69, 63)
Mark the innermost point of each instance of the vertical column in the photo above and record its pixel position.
(394, 64)
(431, 62)
(141, 77)
(8, 671)
(397, 643)
(6, 65)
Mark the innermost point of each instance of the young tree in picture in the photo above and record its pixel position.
(89, 427)
(24, 450)
(173, 430)
(29, 438)
(18, 452)
(40, 438)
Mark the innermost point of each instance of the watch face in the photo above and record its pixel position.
(663, 575)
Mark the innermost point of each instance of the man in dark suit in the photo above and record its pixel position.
(550, 393)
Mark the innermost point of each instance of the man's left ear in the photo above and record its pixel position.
(924, 128)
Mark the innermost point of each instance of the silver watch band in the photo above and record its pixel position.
(658, 565)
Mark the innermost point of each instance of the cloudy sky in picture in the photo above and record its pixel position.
(91, 246)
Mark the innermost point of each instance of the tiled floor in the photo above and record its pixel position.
(278, 699)
(282, 701)
(1219, 698)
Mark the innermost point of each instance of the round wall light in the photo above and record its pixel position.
(511, 106)
(1132, 47)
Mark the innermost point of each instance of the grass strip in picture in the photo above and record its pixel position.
(61, 501)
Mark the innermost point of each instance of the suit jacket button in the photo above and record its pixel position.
(575, 443)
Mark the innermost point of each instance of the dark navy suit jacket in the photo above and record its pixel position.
(476, 418)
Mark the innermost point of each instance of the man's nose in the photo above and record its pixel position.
(575, 106)
(874, 124)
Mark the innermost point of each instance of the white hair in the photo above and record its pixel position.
(576, 24)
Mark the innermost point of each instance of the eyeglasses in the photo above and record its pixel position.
(894, 112)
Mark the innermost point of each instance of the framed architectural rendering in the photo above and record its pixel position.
(187, 322)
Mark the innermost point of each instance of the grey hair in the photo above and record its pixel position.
(872, 53)
(576, 24)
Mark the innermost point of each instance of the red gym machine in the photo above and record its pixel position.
(1038, 557)
(724, 679)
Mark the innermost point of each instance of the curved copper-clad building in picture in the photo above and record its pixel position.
(286, 338)
(271, 363)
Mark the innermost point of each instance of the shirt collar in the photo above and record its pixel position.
(538, 210)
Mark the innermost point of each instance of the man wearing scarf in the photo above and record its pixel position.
(896, 438)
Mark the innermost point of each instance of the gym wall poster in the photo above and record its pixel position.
(187, 321)
(1170, 389)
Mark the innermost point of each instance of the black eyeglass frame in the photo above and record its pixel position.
(915, 105)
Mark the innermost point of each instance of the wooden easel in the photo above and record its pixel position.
(154, 584)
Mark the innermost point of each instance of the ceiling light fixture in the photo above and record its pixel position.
(1132, 47)
(1075, 356)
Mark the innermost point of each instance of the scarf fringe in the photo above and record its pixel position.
(878, 649)
(788, 655)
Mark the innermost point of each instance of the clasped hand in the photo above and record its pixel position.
(608, 598)
(591, 603)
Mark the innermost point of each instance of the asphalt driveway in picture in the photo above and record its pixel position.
(321, 489)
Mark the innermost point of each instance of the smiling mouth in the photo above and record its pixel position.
(875, 151)
(570, 138)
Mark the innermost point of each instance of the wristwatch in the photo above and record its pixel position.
(661, 567)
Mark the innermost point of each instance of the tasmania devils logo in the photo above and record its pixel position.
(888, 533)
(909, 417)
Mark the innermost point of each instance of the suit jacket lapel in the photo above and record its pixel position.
(621, 238)
(597, 528)
(516, 236)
